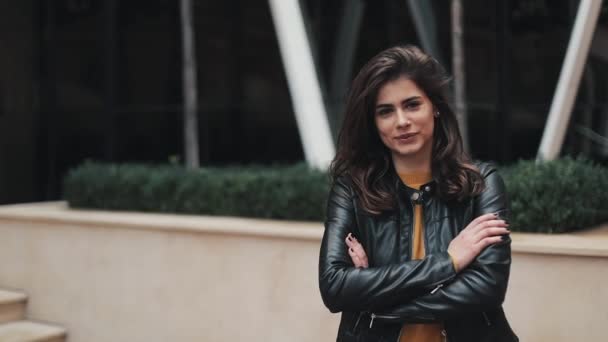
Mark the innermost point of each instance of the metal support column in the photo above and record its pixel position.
(426, 27)
(110, 78)
(569, 79)
(344, 57)
(49, 116)
(502, 117)
(303, 82)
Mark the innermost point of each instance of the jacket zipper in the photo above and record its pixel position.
(437, 288)
(411, 230)
(387, 317)
(357, 322)
(485, 316)
(444, 332)
(425, 242)
(425, 230)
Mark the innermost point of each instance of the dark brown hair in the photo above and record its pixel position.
(362, 155)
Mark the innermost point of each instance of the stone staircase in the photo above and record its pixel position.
(14, 327)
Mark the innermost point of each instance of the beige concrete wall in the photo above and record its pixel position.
(558, 297)
(175, 282)
(150, 277)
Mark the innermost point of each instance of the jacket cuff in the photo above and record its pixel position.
(454, 263)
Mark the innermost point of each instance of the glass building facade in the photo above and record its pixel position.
(101, 80)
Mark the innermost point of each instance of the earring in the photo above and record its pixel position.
(437, 114)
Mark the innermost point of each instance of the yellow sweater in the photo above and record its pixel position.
(419, 332)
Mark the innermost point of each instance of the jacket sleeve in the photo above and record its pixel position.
(479, 287)
(346, 288)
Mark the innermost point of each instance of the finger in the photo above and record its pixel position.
(483, 218)
(350, 239)
(355, 258)
(361, 258)
(474, 225)
(488, 224)
(359, 250)
(497, 222)
(364, 260)
(353, 255)
(353, 243)
(494, 231)
(488, 241)
(491, 232)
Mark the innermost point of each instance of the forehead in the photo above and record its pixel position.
(398, 90)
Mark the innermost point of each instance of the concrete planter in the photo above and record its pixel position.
(109, 276)
(557, 289)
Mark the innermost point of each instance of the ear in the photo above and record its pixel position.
(435, 109)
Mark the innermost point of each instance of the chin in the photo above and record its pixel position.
(406, 153)
(407, 150)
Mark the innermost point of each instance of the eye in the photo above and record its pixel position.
(384, 111)
(412, 105)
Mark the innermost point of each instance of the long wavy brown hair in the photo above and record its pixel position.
(363, 157)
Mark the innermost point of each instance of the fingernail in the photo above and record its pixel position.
(495, 214)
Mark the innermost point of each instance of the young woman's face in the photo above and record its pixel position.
(404, 117)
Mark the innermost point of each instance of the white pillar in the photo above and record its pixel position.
(569, 79)
(425, 25)
(311, 115)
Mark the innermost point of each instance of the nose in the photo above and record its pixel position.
(402, 118)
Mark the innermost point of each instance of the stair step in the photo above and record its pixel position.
(28, 331)
(12, 306)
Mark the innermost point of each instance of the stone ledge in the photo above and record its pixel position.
(31, 331)
(592, 242)
(58, 212)
(586, 243)
(10, 297)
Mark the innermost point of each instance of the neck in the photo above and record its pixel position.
(412, 164)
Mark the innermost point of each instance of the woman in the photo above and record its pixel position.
(416, 247)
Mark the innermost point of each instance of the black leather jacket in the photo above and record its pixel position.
(376, 301)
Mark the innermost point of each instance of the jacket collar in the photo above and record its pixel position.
(416, 196)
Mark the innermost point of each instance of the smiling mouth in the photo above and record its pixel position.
(405, 137)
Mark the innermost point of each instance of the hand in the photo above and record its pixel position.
(480, 233)
(356, 252)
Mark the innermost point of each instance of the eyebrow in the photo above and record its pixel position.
(409, 99)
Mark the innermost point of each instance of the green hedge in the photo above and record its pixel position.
(552, 197)
(557, 196)
(295, 192)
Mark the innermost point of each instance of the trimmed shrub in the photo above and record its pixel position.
(294, 192)
(550, 197)
(557, 196)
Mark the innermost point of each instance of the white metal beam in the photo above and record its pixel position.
(303, 82)
(569, 79)
(426, 27)
(344, 57)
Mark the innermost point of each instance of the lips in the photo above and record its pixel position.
(404, 137)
